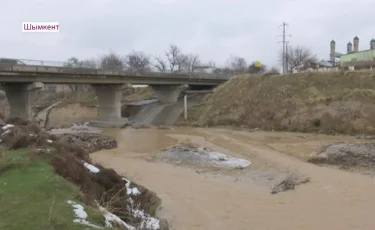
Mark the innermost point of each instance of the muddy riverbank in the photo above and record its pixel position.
(197, 198)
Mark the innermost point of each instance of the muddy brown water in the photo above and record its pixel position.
(334, 199)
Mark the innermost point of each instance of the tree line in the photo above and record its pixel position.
(174, 60)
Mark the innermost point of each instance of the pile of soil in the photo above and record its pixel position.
(67, 156)
(331, 102)
(91, 142)
(352, 155)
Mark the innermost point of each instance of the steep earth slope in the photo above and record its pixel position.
(336, 102)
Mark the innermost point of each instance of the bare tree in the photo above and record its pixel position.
(90, 63)
(237, 64)
(176, 61)
(74, 62)
(160, 64)
(138, 61)
(297, 56)
(212, 64)
(174, 58)
(192, 62)
(112, 61)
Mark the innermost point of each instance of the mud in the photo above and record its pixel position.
(195, 198)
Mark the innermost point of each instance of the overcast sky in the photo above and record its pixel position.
(214, 29)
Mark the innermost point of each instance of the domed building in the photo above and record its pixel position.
(354, 59)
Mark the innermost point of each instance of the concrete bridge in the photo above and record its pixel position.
(19, 80)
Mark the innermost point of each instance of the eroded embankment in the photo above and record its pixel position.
(333, 102)
(30, 156)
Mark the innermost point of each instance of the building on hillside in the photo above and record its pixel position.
(311, 66)
(354, 59)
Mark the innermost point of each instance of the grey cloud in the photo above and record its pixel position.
(215, 29)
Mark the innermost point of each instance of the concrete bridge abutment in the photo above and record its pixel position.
(167, 93)
(19, 98)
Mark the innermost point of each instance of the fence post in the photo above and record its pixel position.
(185, 106)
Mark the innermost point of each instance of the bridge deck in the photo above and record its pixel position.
(10, 73)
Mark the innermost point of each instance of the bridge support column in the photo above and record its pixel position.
(167, 93)
(109, 97)
(18, 95)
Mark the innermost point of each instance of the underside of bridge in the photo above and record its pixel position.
(109, 98)
(201, 87)
(167, 93)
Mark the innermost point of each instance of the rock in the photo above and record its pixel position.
(290, 182)
(91, 142)
(346, 154)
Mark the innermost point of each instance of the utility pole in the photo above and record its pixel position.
(287, 57)
(284, 41)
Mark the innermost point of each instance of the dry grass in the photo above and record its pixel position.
(336, 102)
(137, 94)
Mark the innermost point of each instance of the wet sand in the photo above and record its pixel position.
(334, 199)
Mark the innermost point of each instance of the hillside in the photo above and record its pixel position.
(336, 102)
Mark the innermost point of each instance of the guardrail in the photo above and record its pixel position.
(86, 68)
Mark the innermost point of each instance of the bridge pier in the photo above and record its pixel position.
(167, 93)
(18, 95)
(109, 97)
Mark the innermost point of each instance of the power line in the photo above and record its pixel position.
(284, 41)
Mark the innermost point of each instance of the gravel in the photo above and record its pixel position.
(201, 156)
(347, 154)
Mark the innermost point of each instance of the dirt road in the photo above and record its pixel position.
(334, 199)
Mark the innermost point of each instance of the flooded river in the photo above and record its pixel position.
(195, 199)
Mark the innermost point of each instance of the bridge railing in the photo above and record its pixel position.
(92, 68)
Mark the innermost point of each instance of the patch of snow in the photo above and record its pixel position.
(111, 218)
(131, 191)
(147, 222)
(81, 215)
(8, 126)
(31, 134)
(91, 167)
(7, 131)
(49, 141)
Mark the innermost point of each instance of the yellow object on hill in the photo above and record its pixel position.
(257, 64)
